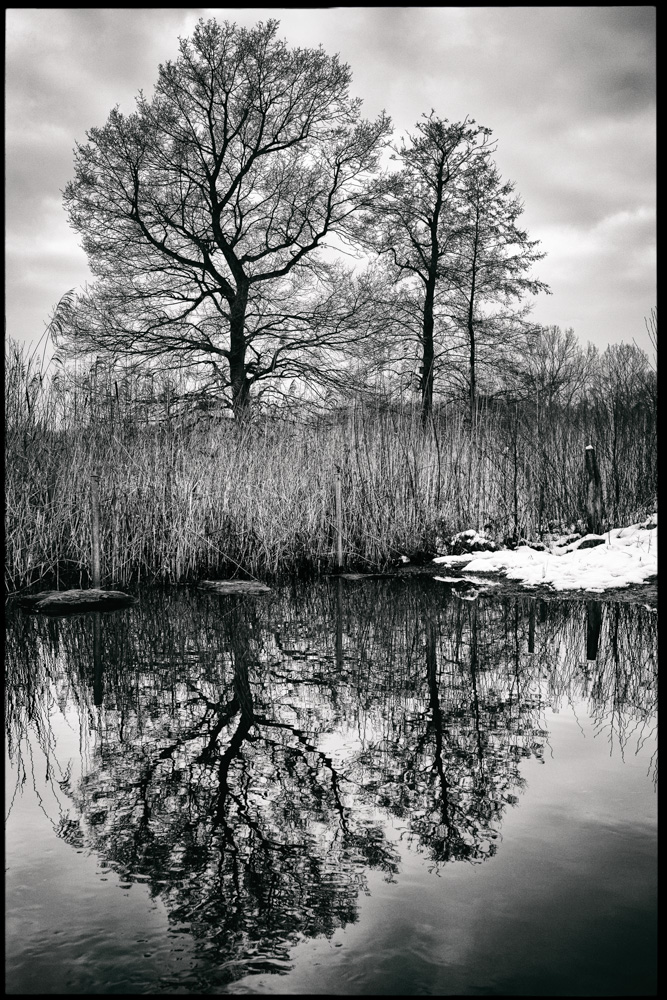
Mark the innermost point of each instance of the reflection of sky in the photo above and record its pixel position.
(346, 741)
(585, 818)
(569, 93)
(88, 911)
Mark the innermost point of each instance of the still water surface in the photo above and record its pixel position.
(353, 787)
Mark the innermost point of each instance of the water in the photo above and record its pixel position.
(366, 788)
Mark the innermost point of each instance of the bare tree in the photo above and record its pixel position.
(486, 267)
(651, 324)
(626, 397)
(204, 212)
(413, 220)
(555, 368)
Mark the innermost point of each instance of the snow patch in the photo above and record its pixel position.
(621, 558)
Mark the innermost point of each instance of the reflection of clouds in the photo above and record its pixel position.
(345, 742)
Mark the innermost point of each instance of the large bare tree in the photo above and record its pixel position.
(204, 212)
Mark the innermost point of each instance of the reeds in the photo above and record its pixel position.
(181, 503)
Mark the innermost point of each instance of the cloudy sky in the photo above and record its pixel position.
(569, 93)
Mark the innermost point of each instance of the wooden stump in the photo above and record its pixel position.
(594, 503)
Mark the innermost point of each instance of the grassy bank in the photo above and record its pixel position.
(180, 503)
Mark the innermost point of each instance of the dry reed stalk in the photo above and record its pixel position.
(178, 503)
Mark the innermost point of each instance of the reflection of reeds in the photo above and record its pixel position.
(361, 654)
(182, 502)
(625, 670)
(39, 685)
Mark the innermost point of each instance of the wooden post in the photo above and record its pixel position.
(339, 523)
(594, 502)
(95, 517)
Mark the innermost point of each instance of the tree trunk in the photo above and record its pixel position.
(426, 381)
(237, 364)
(429, 301)
(471, 314)
(473, 387)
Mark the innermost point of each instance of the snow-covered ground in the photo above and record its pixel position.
(627, 556)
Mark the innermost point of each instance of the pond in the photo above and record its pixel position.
(363, 787)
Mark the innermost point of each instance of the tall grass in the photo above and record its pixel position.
(184, 502)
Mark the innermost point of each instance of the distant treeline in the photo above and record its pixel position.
(186, 492)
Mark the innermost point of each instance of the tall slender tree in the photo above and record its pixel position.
(414, 221)
(488, 263)
(204, 210)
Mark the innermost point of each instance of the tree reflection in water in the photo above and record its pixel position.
(245, 754)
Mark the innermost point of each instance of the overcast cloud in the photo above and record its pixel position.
(569, 93)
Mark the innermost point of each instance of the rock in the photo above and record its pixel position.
(590, 543)
(538, 546)
(567, 539)
(461, 586)
(471, 541)
(455, 581)
(225, 587)
(68, 602)
(469, 594)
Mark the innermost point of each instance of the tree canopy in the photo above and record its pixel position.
(458, 260)
(202, 213)
(413, 221)
(488, 268)
(216, 216)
